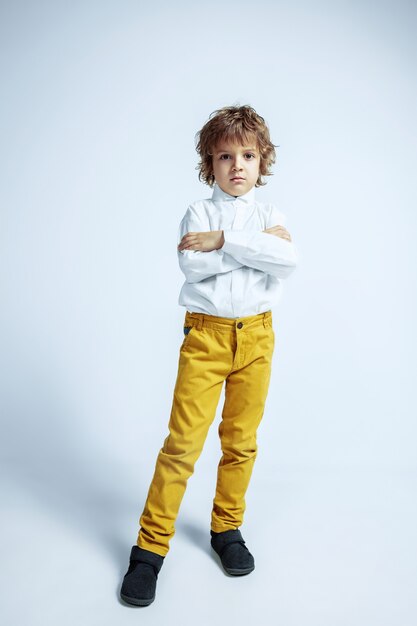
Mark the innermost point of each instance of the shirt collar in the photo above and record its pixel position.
(221, 196)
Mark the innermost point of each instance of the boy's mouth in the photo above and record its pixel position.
(237, 178)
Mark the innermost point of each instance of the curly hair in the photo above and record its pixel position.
(237, 124)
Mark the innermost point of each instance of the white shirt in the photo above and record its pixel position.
(245, 276)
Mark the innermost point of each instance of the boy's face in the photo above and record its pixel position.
(236, 166)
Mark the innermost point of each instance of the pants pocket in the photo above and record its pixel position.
(188, 331)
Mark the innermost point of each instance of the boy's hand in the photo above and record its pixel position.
(214, 239)
(204, 241)
(278, 231)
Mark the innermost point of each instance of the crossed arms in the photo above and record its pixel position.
(217, 252)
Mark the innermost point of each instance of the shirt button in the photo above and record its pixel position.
(240, 324)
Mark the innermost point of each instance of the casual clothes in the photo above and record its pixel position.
(228, 337)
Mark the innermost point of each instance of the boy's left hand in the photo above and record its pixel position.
(204, 241)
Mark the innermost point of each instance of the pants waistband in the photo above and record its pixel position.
(201, 320)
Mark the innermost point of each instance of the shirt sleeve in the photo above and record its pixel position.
(197, 265)
(263, 251)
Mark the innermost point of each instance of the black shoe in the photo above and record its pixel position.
(139, 583)
(234, 555)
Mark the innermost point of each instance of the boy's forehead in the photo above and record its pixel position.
(224, 145)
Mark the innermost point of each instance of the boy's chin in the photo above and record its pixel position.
(235, 190)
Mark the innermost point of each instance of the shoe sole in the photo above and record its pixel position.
(137, 601)
(238, 572)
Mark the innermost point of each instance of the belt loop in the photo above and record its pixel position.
(200, 321)
(267, 319)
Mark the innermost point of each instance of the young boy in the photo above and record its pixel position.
(234, 253)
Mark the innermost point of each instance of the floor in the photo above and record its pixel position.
(332, 548)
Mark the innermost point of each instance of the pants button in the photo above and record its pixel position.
(240, 324)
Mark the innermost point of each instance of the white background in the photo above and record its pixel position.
(99, 108)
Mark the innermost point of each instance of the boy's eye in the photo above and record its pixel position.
(248, 155)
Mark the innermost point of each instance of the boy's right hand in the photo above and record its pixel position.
(278, 231)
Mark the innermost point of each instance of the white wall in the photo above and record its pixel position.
(100, 104)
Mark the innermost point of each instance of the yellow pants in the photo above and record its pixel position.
(216, 349)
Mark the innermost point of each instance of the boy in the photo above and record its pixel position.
(234, 253)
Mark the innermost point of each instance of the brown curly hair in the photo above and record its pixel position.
(235, 124)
